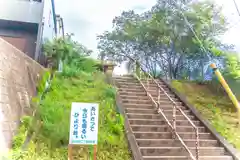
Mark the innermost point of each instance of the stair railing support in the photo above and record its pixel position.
(174, 122)
(175, 107)
(197, 143)
(147, 82)
(138, 69)
(159, 96)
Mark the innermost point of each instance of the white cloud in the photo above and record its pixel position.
(230, 11)
(87, 18)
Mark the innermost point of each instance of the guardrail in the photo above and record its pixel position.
(175, 108)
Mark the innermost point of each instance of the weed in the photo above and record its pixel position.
(54, 111)
(217, 109)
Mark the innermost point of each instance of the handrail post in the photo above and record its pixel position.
(174, 122)
(159, 92)
(138, 69)
(147, 83)
(197, 144)
(175, 108)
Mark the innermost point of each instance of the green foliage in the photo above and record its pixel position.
(65, 49)
(42, 83)
(161, 39)
(54, 111)
(232, 66)
(19, 139)
(78, 82)
(218, 109)
(231, 73)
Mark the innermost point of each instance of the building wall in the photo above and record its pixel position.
(23, 40)
(21, 10)
(19, 76)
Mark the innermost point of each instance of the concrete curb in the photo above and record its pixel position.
(233, 152)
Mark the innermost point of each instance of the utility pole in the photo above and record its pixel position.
(60, 34)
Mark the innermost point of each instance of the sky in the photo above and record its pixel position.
(88, 18)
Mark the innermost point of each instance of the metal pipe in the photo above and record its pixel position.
(174, 120)
(157, 104)
(227, 88)
(165, 118)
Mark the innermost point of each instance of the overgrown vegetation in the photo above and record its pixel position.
(215, 107)
(179, 40)
(79, 82)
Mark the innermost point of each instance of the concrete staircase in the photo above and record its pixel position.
(152, 134)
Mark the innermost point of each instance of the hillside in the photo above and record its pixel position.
(215, 107)
(51, 137)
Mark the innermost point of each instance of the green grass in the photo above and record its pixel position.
(216, 108)
(51, 138)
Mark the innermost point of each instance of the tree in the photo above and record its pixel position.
(64, 49)
(162, 40)
(232, 66)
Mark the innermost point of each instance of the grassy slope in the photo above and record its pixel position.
(52, 139)
(216, 108)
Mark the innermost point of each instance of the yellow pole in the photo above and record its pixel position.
(227, 88)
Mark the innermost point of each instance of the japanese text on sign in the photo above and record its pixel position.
(84, 123)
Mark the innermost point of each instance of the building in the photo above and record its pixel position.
(25, 23)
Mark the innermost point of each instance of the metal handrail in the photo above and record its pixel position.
(173, 127)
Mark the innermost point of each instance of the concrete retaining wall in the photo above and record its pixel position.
(19, 75)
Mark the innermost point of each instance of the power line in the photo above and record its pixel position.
(236, 6)
(190, 26)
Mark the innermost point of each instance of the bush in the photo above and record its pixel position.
(54, 111)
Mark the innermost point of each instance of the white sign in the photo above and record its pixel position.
(84, 124)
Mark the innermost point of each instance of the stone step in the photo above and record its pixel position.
(142, 93)
(126, 80)
(161, 122)
(155, 94)
(153, 91)
(143, 106)
(135, 84)
(145, 101)
(186, 158)
(170, 111)
(156, 89)
(148, 87)
(157, 116)
(141, 110)
(155, 85)
(180, 151)
(137, 101)
(124, 93)
(165, 107)
(152, 82)
(130, 89)
(175, 143)
(130, 97)
(153, 111)
(168, 135)
(151, 131)
(165, 98)
(170, 107)
(165, 128)
(168, 102)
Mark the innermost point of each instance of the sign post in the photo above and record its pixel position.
(83, 127)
